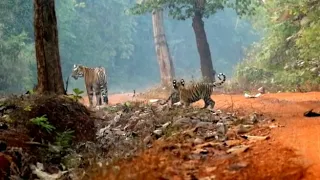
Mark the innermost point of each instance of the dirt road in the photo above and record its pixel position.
(299, 133)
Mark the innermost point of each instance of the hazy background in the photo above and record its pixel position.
(100, 32)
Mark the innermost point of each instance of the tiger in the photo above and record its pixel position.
(95, 79)
(175, 95)
(197, 91)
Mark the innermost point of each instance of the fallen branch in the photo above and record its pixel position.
(310, 113)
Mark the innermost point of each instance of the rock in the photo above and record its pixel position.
(210, 169)
(240, 120)
(206, 125)
(216, 145)
(198, 141)
(238, 149)
(210, 135)
(254, 118)
(117, 118)
(244, 128)
(158, 132)
(164, 126)
(231, 134)
(181, 122)
(231, 143)
(221, 131)
(255, 138)
(221, 128)
(38, 170)
(238, 166)
(200, 151)
(261, 90)
(147, 140)
(189, 132)
(140, 125)
(144, 115)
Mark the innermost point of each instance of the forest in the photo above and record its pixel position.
(95, 34)
(49, 129)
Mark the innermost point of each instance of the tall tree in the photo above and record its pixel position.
(161, 46)
(197, 10)
(162, 49)
(47, 48)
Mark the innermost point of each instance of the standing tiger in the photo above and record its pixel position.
(95, 79)
(197, 91)
(175, 95)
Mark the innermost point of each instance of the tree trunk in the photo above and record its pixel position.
(208, 73)
(163, 54)
(47, 48)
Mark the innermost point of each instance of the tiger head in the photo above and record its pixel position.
(77, 71)
(177, 85)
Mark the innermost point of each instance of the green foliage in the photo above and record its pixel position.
(27, 108)
(77, 94)
(289, 52)
(64, 139)
(43, 123)
(185, 9)
(14, 59)
(103, 33)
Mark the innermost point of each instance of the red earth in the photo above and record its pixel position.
(299, 134)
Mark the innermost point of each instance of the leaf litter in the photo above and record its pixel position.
(136, 140)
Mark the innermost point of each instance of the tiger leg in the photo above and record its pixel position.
(90, 94)
(98, 97)
(105, 95)
(208, 102)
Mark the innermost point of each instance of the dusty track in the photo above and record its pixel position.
(299, 133)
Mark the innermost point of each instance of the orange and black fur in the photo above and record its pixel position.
(95, 80)
(175, 94)
(197, 91)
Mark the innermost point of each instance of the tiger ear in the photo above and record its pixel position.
(174, 83)
(74, 66)
(182, 82)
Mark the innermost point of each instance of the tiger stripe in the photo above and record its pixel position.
(95, 80)
(197, 91)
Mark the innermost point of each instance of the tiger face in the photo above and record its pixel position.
(77, 71)
(178, 84)
(175, 95)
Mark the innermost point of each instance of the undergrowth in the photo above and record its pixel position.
(287, 57)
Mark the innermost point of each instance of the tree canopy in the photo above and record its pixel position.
(103, 33)
(184, 9)
(288, 54)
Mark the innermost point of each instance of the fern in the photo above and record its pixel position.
(43, 123)
(64, 139)
(77, 94)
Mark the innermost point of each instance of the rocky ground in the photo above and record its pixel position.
(242, 139)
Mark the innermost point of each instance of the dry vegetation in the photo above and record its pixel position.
(138, 140)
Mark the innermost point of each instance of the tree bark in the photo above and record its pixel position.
(162, 50)
(47, 48)
(208, 73)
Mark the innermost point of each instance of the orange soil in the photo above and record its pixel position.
(299, 133)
